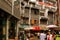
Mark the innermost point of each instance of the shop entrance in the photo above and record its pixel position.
(1, 29)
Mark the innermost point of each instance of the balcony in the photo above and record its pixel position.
(24, 3)
(24, 20)
(35, 14)
(32, 1)
(43, 17)
(7, 6)
(47, 4)
(50, 4)
(52, 0)
(25, 12)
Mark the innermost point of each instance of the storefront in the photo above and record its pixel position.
(8, 26)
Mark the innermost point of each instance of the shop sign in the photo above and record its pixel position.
(42, 3)
(45, 4)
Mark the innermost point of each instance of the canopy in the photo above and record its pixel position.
(28, 28)
(36, 28)
(51, 26)
(33, 28)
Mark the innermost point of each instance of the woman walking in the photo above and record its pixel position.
(49, 36)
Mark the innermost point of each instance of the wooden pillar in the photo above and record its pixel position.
(39, 19)
(17, 30)
(7, 28)
(4, 31)
(29, 16)
(46, 14)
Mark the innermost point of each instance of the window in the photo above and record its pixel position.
(43, 21)
(36, 12)
(25, 20)
(41, 14)
(51, 18)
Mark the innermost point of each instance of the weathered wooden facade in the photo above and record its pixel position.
(9, 21)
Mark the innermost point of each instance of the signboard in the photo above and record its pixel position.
(42, 3)
(45, 4)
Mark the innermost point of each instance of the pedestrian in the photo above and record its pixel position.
(27, 37)
(42, 36)
(49, 35)
(53, 35)
(38, 35)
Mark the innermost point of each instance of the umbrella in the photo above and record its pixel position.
(51, 26)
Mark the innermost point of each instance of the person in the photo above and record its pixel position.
(42, 36)
(27, 37)
(21, 36)
(49, 35)
(31, 37)
(38, 35)
(53, 35)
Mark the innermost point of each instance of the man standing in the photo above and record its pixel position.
(42, 36)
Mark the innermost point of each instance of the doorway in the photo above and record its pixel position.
(1, 29)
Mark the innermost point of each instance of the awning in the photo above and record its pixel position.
(36, 28)
(28, 28)
(33, 28)
(52, 26)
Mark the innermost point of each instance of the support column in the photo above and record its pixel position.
(43, 5)
(7, 27)
(4, 32)
(4, 28)
(39, 20)
(17, 30)
(29, 16)
(39, 17)
(46, 13)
